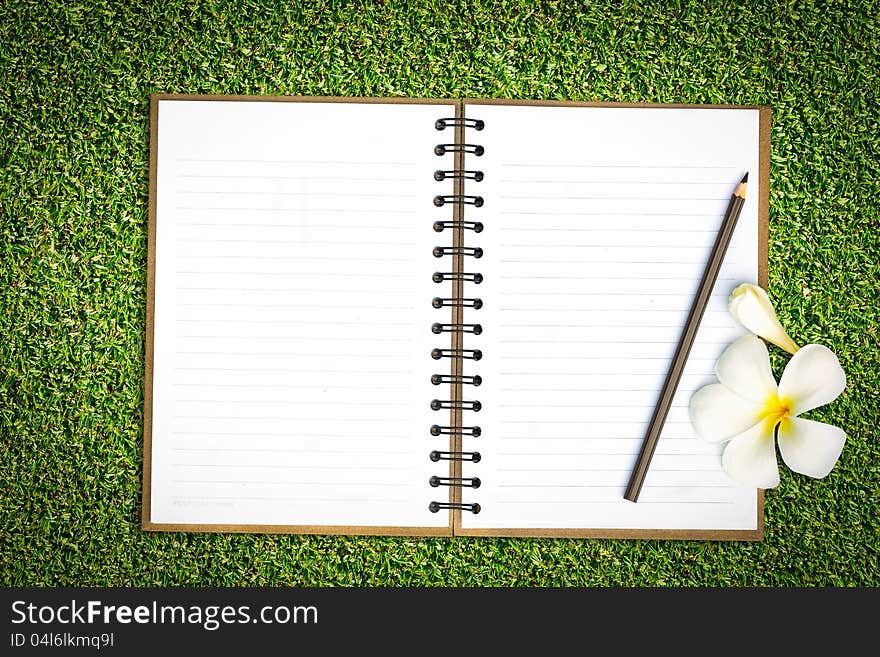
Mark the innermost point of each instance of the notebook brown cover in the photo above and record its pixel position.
(455, 526)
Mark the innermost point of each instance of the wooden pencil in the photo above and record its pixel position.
(679, 360)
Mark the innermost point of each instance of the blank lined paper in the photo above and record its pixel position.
(291, 373)
(598, 224)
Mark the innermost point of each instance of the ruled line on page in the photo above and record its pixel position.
(605, 375)
(602, 277)
(577, 421)
(360, 211)
(251, 439)
(288, 402)
(551, 229)
(586, 405)
(277, 482)
(282, 321)
(597, 311)
(335, 194)
(581, 165)
(605, 342)
(622, 308)
(303, 242)
(286, 338)
(542, 197)
(229, 352)
(184, 416)
(296, 258)
(308, 306)
(383, 466)
(569, 357)
(556, 261)
(291, 386)
(615, 293)
(322, 290)
(371, 500)
(686, 441)
(614, 487)
(614, 502)
(603, 326)
(310, 162)
(601, 388)
(604, 245)
(304, 178)
(354, 452)
(230, 500)
(213, 272)
(576, 181)
(599, 468)
(602, 213)
(271, 434)
(569, 468)
(311, 226)
(582, 422)
(289, 369)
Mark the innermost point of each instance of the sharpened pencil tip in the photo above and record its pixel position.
(741, 187)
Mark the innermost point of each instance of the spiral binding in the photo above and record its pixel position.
(434, 507)
(437, 430)
(440, 276)
(476, 226)
(476, 124)
(471, 482)
(462, 199)
(438, 379)
(457, 355)
(437, 328)
(471, 354)
(473, 457)
(456, 302)
(440, 404)
(472, 251)
(441, 175)
(443, 149)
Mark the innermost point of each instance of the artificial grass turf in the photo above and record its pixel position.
(74, 85)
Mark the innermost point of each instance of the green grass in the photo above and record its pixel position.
(74, 85)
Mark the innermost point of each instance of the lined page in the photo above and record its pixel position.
(291, 375)
(598, 225)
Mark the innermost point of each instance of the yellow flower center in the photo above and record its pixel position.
(776, 409)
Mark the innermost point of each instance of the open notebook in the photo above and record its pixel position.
(363, 320)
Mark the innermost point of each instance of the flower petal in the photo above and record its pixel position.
(718, 414)
(812, 378)
(811, 448)
(750, 458)
(744, 367)
(751, 307)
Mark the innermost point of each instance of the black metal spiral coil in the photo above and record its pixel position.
(457, 354)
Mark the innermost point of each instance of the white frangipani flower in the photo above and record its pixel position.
(751, 307)
(746, 407)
